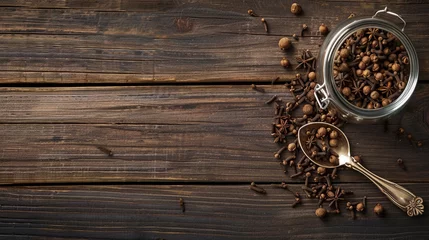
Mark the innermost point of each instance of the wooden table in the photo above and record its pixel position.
(165, 86)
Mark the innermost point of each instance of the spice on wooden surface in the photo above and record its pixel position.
(257, 189)
(295, 8)
(105, 150)
(265, 24)
(182, 204)
(378, 209)
(251, 13)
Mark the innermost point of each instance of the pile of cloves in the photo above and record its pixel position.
(371, 68)
(288, 117)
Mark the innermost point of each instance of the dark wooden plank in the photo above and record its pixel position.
(165, 41)
(189, 133)
(110, 5)
(212, 212)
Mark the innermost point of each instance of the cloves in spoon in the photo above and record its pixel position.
(400, 196)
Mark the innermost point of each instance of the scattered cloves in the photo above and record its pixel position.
(251, 13)
(265, 24)
(257, 189)
(105, 150)
(258, 89)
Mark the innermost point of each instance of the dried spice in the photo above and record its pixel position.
(265, 24)
(285, 43)
(378, 209)
(285, 62)
(321, 212)
(371, 68)
(323, 29)
(182, 204)
(295, 8)
(251, 13)
(105, 150)
(257, 189)
(288, 118)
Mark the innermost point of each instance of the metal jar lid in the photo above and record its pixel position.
(326, 93)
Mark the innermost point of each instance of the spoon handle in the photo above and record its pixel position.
(400, 196)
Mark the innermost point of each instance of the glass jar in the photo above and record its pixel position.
(327, 96)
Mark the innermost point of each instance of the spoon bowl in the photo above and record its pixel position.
(400, 196)
(343, 148)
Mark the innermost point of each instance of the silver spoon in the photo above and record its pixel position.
(400, 196)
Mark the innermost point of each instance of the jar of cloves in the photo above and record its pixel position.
(367, 69)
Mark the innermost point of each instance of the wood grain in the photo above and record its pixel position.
(172, 133)
(110, 42)
(212, 212)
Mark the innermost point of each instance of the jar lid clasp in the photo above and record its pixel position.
(324, 101)
(391, 13)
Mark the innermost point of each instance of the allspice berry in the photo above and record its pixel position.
(366, 89)
(386, 101)
(321, 132)
(323, 29)
(307, 109)
(374, 58)
(366, 59)
(333, 142)
(375, 95)
(321, 170)
(396, 67)
(285, 62)
(295, 8)
(360, 207)
(366, 73)
(333, 134)
(344, 53)
(291, 147)
(346, 91)
(321, 212)
(376, 67)
(285, 43)
(311, 76)
(333, 159)
(378, 209)
(359, 72)
(379, 76)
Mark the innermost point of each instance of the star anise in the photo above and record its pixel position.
(337, 197)
(310, 141)
(356, 89)
(372, 33)
(341, 79)
(278, 136)
(388, 89)
(283, 125)
(306, 60)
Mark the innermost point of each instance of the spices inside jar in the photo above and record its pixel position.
(371, 68)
